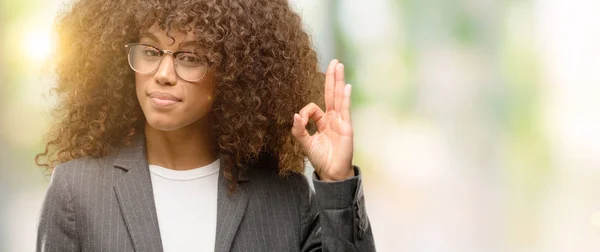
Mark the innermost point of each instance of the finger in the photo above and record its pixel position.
(299, 131)
(313, 112)
(346, 103)
(330, 84)
(339, 87)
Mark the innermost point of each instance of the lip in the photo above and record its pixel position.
(163, 99)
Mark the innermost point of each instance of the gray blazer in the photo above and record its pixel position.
(107, 204)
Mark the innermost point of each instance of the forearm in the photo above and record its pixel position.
(343, 219)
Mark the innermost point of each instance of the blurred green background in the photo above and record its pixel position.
(476, 122)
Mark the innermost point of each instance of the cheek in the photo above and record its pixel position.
(200, 98)
(140, 83)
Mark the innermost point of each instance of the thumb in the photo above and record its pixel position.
(299, 131)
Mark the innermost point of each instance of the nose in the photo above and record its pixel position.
(165, 74)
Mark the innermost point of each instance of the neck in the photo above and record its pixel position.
(187, 148)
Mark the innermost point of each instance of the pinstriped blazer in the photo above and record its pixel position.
(107, 204)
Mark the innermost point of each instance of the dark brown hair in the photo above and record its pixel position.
(265, 67)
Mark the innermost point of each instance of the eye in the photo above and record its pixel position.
(150, 52)
(189, 59)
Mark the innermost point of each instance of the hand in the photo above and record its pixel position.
(330, 149)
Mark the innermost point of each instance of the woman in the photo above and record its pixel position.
(182, 127)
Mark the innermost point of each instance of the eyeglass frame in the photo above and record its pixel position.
(129, 46)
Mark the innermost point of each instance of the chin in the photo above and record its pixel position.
(163, 124)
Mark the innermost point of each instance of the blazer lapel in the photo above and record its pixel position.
(136, 199)
(230, 210)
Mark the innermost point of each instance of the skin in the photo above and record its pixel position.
(330, 149)
(179, 137)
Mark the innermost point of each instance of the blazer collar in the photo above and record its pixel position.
(129, 156)
(136, 200)
(230, 210)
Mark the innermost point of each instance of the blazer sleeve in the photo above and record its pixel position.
(336, 219)
(57, 227)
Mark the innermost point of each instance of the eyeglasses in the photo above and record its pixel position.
(145, 59)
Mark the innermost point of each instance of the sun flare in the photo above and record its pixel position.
(38, 45)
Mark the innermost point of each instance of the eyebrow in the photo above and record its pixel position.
(189, 43)
(150, 36)
(155, 39)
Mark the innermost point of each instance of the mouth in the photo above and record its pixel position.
(163, 99)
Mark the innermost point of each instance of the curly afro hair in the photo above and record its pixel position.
(263, 61)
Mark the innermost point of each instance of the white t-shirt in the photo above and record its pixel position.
(186, 205)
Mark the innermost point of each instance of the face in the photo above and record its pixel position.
(171, 96)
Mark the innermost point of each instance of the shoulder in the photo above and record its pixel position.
(294, 181)
(83, 165)
(84, 171)
(266, 181)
